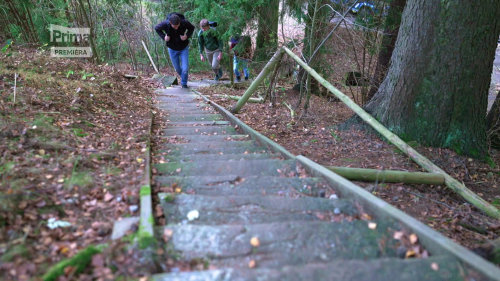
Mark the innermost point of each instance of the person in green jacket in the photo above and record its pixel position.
(209, 42)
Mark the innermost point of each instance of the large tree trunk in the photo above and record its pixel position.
(267, 34)
(436, 88)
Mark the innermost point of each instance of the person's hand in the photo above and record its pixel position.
(167, 38)
(184, 37)
(220, 56)
(202, 57)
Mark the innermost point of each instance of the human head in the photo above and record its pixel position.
(204, 24)
(175, 21)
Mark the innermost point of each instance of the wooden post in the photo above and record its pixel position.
(374, 175)
(262, 75)
(149, 56)
(452, 183)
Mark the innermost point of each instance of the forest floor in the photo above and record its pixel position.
(72, 151)
(72, 146)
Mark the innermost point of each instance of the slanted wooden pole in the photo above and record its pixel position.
(262, 75)
(425, 163)
(374, 175)
(149, 56)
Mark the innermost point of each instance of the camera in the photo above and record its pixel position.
(212, 23)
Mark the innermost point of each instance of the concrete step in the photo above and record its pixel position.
(197, 123)
(194, 117)
(282, 243)
(219, 157)
(242, 168)
(232, 209)
(225, 185)
(215, 148)
(200, 130)
(209, 138)
(358, 270)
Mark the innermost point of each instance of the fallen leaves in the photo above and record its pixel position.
(255, 242)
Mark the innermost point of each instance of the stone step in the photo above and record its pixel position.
(178, 97)
(383, 269)
(226, 157)
(209, 138)
(204, 110)
(194, 117)
(177, 107)
(282, 243)
(253, 185)
(200, 130)
(213, 148)
(197, 123)
(233, 209)
(242, 168)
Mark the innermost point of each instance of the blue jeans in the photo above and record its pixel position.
(239, 62)
(180, 60)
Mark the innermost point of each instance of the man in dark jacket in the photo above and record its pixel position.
(176, 31)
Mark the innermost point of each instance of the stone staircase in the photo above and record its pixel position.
(259, 216)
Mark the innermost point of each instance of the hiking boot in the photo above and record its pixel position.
(246, 78)
(238, 78)
(216, 77)
(220, 72)
(185, 86)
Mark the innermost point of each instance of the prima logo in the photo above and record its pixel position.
(61, 34)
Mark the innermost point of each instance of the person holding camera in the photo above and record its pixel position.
(176, 31)
(208, 41)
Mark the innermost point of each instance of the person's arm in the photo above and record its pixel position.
(221, 44)
(190, 28)
(201, 41)
(201, 44)
(161, 29)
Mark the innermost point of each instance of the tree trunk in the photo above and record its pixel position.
(267, 34)
(92, 34)
(493, 123)
(317, 28)
(391, 28)
(435, 91)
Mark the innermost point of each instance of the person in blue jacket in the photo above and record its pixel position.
(176, 31)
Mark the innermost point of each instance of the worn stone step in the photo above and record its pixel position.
(204, 110)
(194, 117)
(175, 97)
(227, 157)
(177, 107)
(253, 185)
(197, 123)
(383, 269)
(257, 167)
(284, 243)
(200, 130)
(208, 138)
(239, 209)
(214, 148)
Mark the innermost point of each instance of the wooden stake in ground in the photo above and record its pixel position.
(452, 183)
